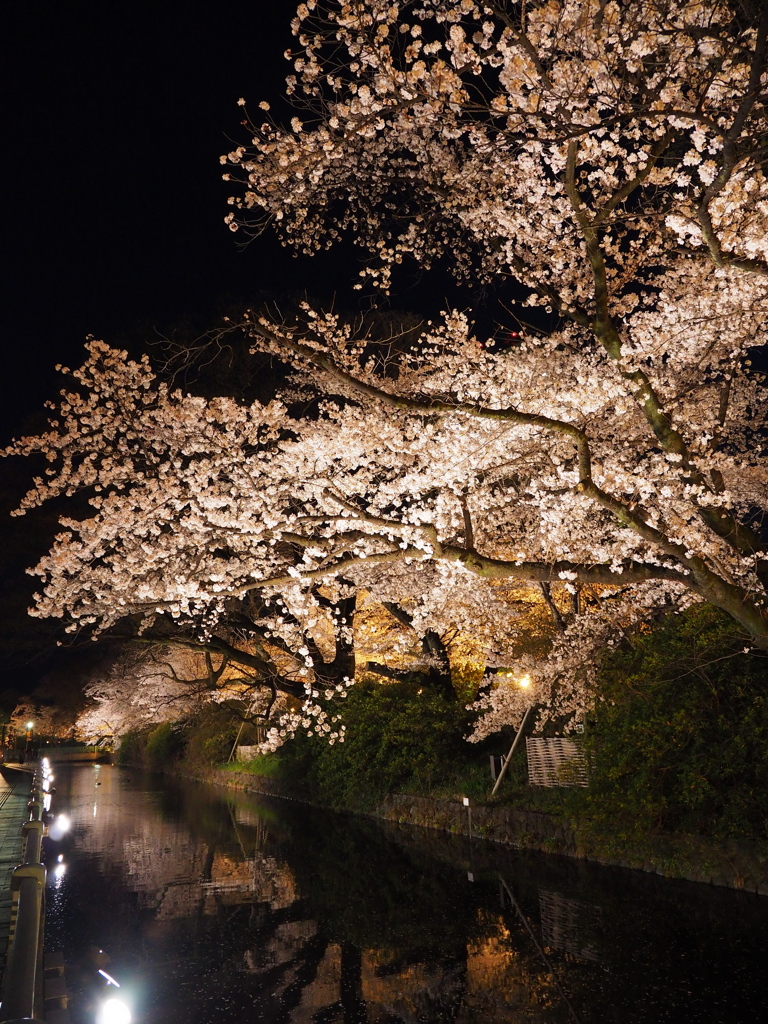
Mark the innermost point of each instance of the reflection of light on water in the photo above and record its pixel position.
(113, 1011)
(59, 872)
(94, 810)
(47, 802)
(61, 825)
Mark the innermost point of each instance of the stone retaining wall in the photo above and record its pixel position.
(735, 864)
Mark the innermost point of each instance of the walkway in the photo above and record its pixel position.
(15, 785)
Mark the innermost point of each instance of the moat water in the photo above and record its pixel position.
(209, 906)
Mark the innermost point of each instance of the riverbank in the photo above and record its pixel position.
(737, 864)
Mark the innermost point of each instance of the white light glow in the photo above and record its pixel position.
(59, 827)
(525, 682)
(113, 1011)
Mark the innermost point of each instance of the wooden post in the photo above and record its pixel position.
(512, 750)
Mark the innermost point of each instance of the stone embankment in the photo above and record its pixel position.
(736, 864)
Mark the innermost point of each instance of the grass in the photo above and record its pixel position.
(267, 766)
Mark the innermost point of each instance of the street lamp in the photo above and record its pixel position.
(30, 727)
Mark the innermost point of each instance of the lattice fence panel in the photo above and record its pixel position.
(556, 761)
(247, 753)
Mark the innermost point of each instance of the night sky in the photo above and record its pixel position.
(115, 118)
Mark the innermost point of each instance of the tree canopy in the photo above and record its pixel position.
(604, 160)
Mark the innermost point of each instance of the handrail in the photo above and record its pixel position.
(28, 883)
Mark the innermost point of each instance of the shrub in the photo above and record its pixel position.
(401, 737)
(164, 744)
(210, 736)
(680, 738)
(131, 749)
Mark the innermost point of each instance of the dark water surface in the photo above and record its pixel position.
(213, 907)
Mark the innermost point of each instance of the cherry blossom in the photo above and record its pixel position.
(609, 159)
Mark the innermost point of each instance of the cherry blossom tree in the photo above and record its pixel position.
(608, 157)
(153, 684)
(609, 160)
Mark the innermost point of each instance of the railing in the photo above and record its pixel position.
(28, 886)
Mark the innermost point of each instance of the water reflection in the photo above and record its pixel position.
(207, 906)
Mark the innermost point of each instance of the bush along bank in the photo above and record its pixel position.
(677, 745)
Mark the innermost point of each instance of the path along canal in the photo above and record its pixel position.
(210, 906)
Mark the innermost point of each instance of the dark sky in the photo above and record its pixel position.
(116, 114)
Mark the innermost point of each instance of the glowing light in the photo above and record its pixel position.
(524, 681)
(59, 827)
(30, 725)
(110, 979)
(59, 871)
(60, 858)
(113, 1011)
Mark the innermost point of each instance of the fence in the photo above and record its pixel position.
(556, 761)
(28, 887)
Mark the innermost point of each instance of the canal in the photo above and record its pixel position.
(208, 906)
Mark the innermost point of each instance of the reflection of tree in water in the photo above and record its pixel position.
(375, 935)
(287, 914)
(234, 909)
(358, 926)
(310, 918)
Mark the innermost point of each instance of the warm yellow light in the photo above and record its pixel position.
(525, 682)
(30, 725)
